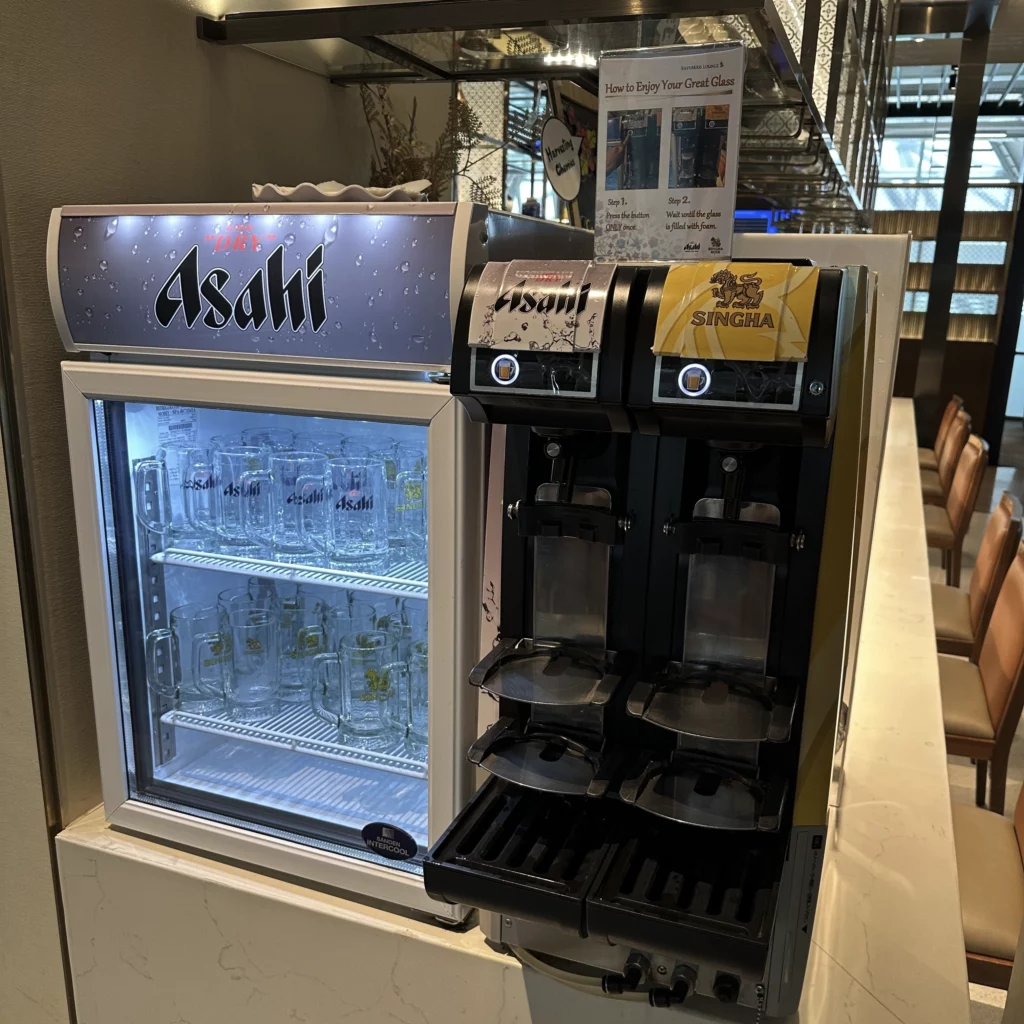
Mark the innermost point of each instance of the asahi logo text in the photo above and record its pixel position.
(266, 291)
(311, 497)
(562, 298)
(355, 502)
(248, 489)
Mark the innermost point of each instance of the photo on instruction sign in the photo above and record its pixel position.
(633, 147)
(699, 151)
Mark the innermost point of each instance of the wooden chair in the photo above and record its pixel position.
(989, 849)
(946, 525)
(935, 482)
(927, 458)
(962, 616)
(981, 704)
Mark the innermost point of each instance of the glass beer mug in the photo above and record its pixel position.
(356, 535)
(238, 473)
(358, 690)
(174, 495)
(191, 672)
(252, 676)
(288, 515)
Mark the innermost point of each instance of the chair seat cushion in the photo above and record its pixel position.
(926, 458)
(938, 527)
(964, 707)
(931, 488)
(991, 880)
(952, 610)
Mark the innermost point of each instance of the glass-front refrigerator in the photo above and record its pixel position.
(279, 512)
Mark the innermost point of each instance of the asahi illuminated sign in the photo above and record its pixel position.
(265, 293)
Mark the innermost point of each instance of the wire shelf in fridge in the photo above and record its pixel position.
(295, 727)
(404, 579)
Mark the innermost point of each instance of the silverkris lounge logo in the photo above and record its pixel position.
(296, 299)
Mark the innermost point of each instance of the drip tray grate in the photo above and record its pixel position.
(610, 871)
(405, 579)
(295, 727)
(520, 852)
(686, 889)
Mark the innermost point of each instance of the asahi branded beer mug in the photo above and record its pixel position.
(289, 515)
(357, 527)
(239, 474)
(174, 495)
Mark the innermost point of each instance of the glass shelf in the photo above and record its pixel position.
(405, 579)
(295, 727)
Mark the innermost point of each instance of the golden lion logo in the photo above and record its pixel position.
(744, 293)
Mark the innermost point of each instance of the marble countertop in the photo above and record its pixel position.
(887, 944)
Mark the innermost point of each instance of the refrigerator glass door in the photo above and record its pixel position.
(271, 611)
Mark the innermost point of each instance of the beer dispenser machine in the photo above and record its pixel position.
(675, 578)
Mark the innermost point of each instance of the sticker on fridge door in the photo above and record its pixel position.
(389, 841)
(177, 423)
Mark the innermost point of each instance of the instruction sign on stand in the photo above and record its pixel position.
(668, 147)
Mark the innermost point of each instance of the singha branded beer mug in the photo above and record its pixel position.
(251, 679)
(269, 438)
(289, 514)
(362, 693)
(409, 537)
(347, 615)
(174, 495)
(398, 458)
(187, 661)
(326, 442)
(357, 526)
(302, 635)
(418, 733)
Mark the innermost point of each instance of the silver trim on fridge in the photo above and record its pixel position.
(456, 449)
(53, 281)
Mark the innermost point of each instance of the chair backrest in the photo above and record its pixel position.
(956, 438)
(963, 490)
(1002, 537)
(1001, 662)
(953, 406)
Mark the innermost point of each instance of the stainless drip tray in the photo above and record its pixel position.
(539, 758)
(706, 793)
(718, 703)
(548, 673)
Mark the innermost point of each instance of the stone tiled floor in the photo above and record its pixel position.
(987, 1003)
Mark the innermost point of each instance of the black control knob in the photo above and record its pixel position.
(632, 975)
(680, 989)
(726, 988)
(660, 997)
(613, 984)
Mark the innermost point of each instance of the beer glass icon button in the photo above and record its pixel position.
(505, 369)
(694, 380)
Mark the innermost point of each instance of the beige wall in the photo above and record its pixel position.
(106, 101)
(31, 972)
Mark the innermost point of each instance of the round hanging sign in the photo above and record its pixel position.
(561, 151)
